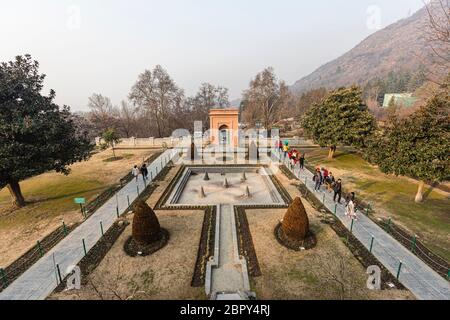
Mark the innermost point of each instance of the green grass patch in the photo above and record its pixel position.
(50, 199)
(303, 276)
(430, 220)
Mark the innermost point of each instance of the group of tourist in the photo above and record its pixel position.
(295, 157)
(322, 176)
(143, 170)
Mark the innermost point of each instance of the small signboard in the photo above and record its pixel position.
(80, 200)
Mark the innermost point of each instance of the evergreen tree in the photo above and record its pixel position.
(36, 135)
(341, 118)
(417, 146)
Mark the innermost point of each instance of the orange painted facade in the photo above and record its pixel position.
(224, 126)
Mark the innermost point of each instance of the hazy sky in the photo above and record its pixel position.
(102, 45)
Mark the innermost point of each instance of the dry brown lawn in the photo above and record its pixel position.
(50, 198)
(166, 274)
(329, 271)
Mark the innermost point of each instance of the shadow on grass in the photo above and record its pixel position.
(365, 185)
(340, 154)
(113, 159)
(62, 196)
(430, 190)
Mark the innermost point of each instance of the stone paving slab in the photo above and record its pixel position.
(227, 277)
(415, 275)
(39, 281)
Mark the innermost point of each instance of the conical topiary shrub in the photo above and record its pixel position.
(146, 228)
(193, 152)
(295, 224)
(206, 177)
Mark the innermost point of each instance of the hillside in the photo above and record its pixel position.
(401, 46)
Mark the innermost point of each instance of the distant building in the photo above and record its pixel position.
(399, 99)
(224, 126)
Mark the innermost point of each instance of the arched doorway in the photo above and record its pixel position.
(224, 135)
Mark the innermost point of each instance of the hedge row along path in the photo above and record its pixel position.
(42, 278)
(413, 273)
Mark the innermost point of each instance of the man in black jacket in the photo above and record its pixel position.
(338, 190)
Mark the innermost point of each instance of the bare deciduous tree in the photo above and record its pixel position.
(265, 98)
(127, 119)
(207, 97)
(157, 96)
(102, 113)
(308, 99)
(336, 277)
(438, 37)
(116, 286)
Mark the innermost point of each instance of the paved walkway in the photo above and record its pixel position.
(228, 276)
(415, 275)
(41, 279)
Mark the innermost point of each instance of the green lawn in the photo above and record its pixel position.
(50, 197)
(392, 197)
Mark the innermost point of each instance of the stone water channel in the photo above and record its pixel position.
(227, 275)
(225, 187)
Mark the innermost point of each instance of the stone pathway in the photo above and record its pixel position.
(231, 273)
(39, 281)
(415, 275)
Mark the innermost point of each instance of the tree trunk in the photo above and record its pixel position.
(331, 152)
(159, 129)
(419, 196)
(114, 152)
(16, 194)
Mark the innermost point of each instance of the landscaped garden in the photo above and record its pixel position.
(392, 196)
(327, 270)
(50, 198)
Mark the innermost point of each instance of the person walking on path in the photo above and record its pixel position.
(350, 208)
(337, 188)
(286, 149)
(280, 146)
(322, 176)
(144, 171)
(317, 179)
(135, 172)
(302, 161)
(330, 181)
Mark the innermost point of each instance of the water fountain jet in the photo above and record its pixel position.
(202, 193)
